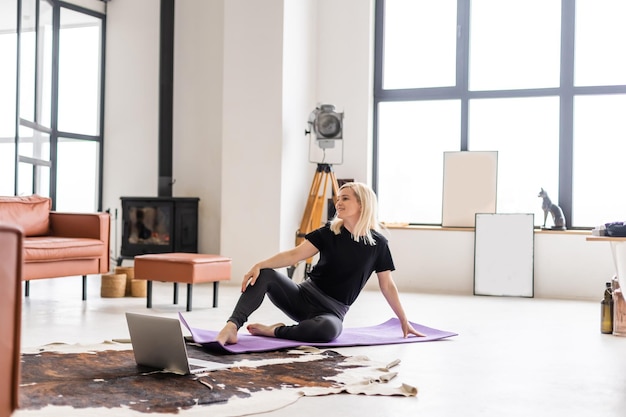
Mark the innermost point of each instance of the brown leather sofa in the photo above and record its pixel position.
(58, 244)
(10, 312)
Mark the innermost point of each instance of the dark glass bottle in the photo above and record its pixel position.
(607, 310)
(619, 309)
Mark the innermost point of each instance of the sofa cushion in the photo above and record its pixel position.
(47, 249)
(31, 213)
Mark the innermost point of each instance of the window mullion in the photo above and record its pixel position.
(379, 29)
(54, 111)
(566, 116)
(462, 69)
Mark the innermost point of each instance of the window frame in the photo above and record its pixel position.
(52, 130)
(566, 92)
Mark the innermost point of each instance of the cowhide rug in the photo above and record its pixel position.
(70, 380)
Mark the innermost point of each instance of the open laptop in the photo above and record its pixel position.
(158, 342)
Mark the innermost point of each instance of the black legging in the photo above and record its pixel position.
(315, 323)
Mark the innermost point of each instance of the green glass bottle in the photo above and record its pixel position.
(607, 310)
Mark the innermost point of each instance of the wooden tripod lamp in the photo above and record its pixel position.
(327, 125)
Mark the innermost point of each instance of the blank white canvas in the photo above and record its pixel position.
(504, 254)
(469, 186)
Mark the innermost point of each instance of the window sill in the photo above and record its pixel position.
(408, 226)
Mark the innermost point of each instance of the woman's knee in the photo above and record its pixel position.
(319, 329)
(327, 328)
(269, 275)
(266, 278)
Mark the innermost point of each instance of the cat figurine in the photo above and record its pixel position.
(549, 207)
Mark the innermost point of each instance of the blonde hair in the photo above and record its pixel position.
(369, 213)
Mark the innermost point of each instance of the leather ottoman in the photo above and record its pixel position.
(188, 268)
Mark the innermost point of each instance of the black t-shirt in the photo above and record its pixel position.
(345, 265)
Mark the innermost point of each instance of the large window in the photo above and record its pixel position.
(8, 87)
(543, 82)
(52, 106)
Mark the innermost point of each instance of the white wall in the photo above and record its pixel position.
(247, 75)
(345, 77)
(252, 147)
(299, 98)
(442, 261)
(198, 111)
(131, 104)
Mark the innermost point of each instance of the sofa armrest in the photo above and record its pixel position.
(11, 261)
(83, 225)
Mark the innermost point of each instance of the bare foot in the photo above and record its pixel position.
(228, 335)
(258, 329)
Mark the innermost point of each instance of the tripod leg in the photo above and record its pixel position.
(316, 212)
(312, 217)
(305, 224)
(318, 206)
(335, 185)
(290, 270)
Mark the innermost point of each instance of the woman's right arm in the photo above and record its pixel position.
(304, 250)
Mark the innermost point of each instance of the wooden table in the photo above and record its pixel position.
(618, 250)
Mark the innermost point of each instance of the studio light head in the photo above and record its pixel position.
(327, 124)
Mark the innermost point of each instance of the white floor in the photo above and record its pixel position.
(512, 357)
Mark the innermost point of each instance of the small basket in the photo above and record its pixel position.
(130, 275)
(113, 285)
(138, 288)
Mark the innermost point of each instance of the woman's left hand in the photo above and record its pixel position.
(408, 329)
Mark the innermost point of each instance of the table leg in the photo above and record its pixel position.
(189, 295)
(149, 294)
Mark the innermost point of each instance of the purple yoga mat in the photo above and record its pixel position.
(385, 333)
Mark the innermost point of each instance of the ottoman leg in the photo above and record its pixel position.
(215, 288)
(176, 293)
(149, 294)
(189, 295)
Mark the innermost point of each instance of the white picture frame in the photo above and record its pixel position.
(504, 254)
(469, 186)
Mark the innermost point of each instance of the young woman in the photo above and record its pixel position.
(350, 249)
